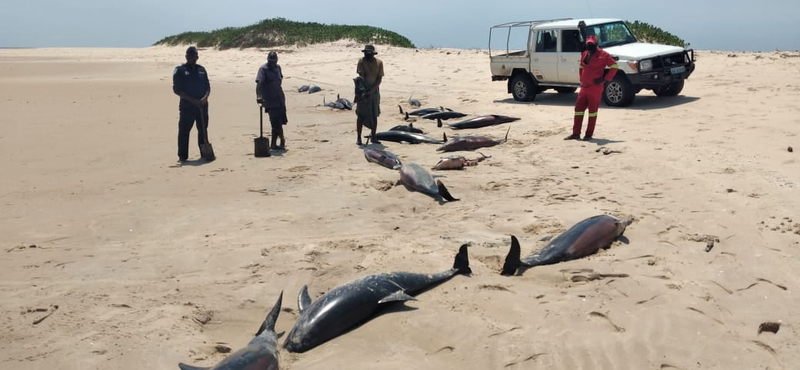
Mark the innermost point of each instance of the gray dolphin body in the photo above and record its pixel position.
(407, 128)
(482, 121)
(405, 136)
(349, 305)
(313, 89)
(581, 240)
(260, 354)
(470, 143)
(424, 111)
(417, 178)
(383, 158)
(443, 115)
(458, 162)
(414, 102)
(303, 88)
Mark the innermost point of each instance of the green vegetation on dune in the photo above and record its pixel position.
(279, 31)
(646, 32)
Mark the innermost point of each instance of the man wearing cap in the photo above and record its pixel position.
(269, 94)
(368, 109)
(593, 65)
(190, 82)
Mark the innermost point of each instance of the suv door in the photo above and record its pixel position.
(569, 58)
(544, 59)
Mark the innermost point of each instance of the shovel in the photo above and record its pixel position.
(206, 151)
(261, 143)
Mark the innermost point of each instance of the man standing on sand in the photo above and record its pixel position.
(593, 64)
(190, 82)
(270, 95)
(368, 107)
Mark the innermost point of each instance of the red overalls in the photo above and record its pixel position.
(591, 93)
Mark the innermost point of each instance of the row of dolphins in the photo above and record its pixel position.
(356, 302)
(415, 176)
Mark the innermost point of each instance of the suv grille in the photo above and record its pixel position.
(671, 60)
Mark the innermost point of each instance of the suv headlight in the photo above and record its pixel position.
(646, 65)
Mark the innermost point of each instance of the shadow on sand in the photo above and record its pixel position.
(641, 102)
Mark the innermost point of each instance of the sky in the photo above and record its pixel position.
(730, 25)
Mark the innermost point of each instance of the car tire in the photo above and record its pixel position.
(619, 92)
(523, 88)
(566, 90)
(671, 89)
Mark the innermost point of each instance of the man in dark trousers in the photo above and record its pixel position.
(269, 94)
(368, 107)
(190, 82)
(593, 65)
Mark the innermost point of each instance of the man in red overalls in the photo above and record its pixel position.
(593, 64)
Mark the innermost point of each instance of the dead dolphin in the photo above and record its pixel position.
(581, 240)
(407, 128)
(405, 136)
(333, 104)
(417, 178)
(303, 88)
(424, 111)
(356, 302)
(260, 354)
(383, 158)
(458, 162)
(414, 102)
(347, 103)
(482, 121)
(313, 89)
(470, 143)
(443, 115)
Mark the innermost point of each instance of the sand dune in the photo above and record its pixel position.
(151, 264)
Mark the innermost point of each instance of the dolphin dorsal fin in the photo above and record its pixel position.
(183, 366)
(303, 299)
(269, 322)
(444, 135)
(438, 122)
(398, 296)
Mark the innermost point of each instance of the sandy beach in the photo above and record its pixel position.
(115, 257)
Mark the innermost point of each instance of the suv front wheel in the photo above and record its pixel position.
(671, 89)
(619, 92)
(523, 88)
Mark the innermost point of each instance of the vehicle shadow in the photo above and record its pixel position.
(642, 102)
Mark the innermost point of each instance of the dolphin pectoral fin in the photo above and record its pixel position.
(512, 259)
(461, 263)
(303, 299)
(398, 296)
(183, 366)
(438, 122)
(269, 322)
(444, 193)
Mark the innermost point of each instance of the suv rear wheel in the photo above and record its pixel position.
(619, 92)
(671, 89)
(523, 88)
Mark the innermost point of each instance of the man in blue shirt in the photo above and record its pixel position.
(190, 82)
(269, 94)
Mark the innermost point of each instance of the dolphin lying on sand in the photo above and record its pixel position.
(583, 239)
(470, 143)
(354, 303)
(417, 178)
(260, 354)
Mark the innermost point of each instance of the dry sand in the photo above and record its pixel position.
(151, 264)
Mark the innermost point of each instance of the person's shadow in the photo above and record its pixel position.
(602, 142)
(191, 163)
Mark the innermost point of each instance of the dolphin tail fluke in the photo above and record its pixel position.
(183, 366)
(401, 110)
(461, 262)
(512, 259)
(444, 193)
(438, 122)
(269, 323)
(303, 299)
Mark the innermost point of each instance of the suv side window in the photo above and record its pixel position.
(571, 41)
(547, 41)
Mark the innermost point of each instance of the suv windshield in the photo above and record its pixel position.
(611, 34)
